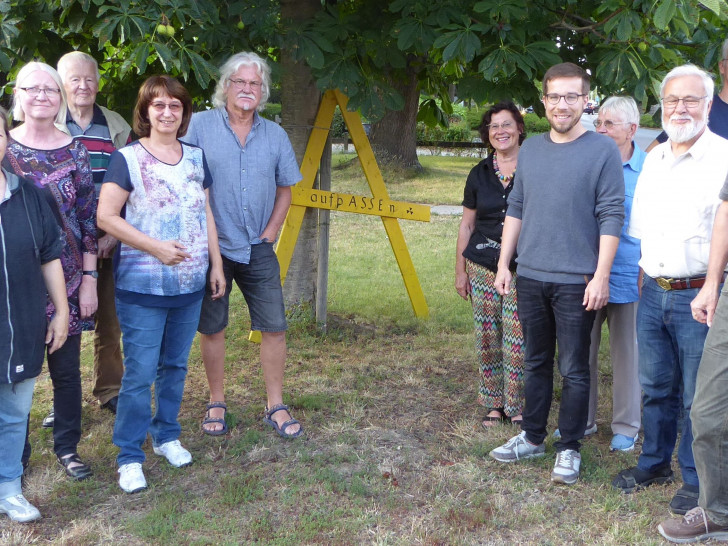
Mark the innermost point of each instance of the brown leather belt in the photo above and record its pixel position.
(680, 284)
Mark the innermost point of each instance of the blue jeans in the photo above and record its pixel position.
(15, 401)
(551, 313)
(670, 344)
(157, 343)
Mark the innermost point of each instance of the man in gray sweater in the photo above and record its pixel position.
(565, 215)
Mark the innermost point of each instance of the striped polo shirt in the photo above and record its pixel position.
(97, 140)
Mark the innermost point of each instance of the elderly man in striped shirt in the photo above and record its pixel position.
(101, 131)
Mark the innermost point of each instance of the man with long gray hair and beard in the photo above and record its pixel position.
(674, 208)
(254, 166)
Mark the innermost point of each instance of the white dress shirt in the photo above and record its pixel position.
(675, 204)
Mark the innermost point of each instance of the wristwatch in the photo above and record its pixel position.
(94, 273)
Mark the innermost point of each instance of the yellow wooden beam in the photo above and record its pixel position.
(379, 204)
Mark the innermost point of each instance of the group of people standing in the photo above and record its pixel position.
(193, 203)
(589, 229)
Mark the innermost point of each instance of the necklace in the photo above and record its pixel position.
(503, 178)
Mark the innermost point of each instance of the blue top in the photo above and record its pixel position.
(625, 271)
(246, 176)
(166, 202)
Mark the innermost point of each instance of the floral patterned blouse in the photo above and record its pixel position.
(65, 174)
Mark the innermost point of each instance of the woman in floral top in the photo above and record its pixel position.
(48, 157)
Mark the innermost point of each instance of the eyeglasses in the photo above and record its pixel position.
(570, 98)
(241, 84)
(609, 124)
(174, 107)
(493, 127)
(34, 91)
(671, 103)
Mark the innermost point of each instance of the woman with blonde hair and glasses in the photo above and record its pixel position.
(45, 155)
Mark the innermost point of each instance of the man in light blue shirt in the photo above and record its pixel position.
(254, 166)
(619, 119)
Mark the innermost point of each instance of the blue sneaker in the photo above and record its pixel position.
(588, 432)
(620, 442)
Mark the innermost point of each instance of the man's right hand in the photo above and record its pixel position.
(704, 304)
(503, 280)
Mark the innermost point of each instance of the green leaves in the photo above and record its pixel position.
(664, 13)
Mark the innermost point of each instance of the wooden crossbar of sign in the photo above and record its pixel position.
(360, 204)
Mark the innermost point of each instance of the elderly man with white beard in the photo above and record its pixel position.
(674, 208)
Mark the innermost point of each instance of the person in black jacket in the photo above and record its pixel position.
(30, 267)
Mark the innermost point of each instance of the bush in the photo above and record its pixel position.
(338, 125)
(475, 116)
(647, 120)
(535, 124)
(271, 110)
(457, 132)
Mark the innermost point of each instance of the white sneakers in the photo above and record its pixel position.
(174, 453)
(19, 509)
(131, 478)
(517, 448)
(566, 469)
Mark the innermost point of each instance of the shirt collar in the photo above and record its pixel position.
(697, 150)
(97, 119)
(638, 158)
(226, 116)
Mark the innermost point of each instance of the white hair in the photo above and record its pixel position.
(231, 66)
(27, 70)
(77, 56)
(724, 50)
(625, 107)
(690, 70)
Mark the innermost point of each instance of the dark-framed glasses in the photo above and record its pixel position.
(570, 98)
(34, 91)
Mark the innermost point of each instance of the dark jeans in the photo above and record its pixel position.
(553, 313)
(64, 366)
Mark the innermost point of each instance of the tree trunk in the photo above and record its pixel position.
(394, 137)
(300, 99)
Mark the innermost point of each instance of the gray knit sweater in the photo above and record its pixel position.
(567, 196)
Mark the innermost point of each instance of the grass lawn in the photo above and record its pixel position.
(393, 451)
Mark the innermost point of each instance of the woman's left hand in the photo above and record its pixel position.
(87, 298)
(217, 282)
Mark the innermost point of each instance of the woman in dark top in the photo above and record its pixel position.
(30, 268)
(498, 334)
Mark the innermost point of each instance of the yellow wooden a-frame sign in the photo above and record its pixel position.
(378, 204)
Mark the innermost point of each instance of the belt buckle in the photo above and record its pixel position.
(664, 283)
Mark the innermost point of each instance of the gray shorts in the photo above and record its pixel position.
(260, 283)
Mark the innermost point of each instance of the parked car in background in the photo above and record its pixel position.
(591, 108)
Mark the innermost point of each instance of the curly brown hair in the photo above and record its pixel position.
(500, 107)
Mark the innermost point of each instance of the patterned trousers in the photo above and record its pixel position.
(498, 342)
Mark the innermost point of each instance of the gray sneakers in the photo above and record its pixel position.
(566, 469)
(517, 448)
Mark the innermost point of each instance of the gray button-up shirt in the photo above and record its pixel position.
(246, 177)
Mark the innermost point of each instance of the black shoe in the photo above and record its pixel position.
(49, 420)
(77, 472)
(685, 499)
(111, 404)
